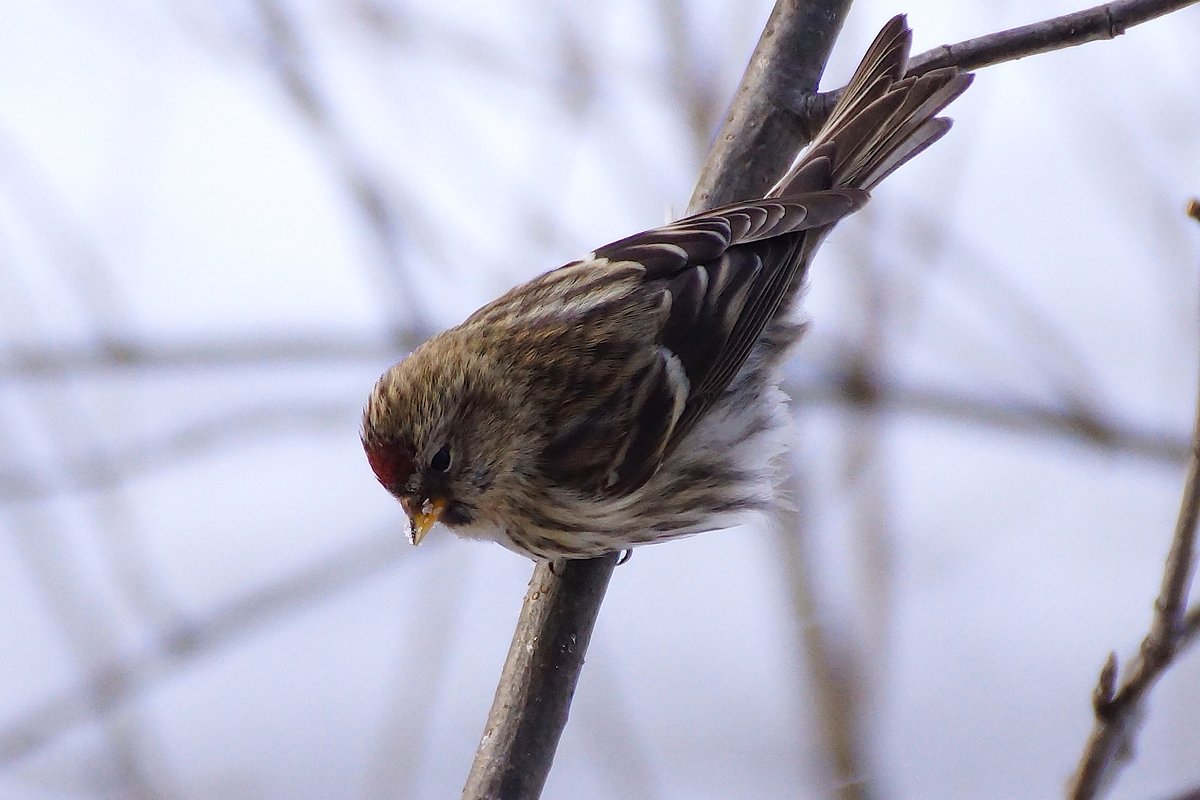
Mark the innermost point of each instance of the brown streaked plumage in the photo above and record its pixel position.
(630, 397)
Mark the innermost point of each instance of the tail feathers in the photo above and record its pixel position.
(881, 120)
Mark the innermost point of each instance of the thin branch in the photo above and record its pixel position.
(1119, 711)
(539, 677)
(1177, 575)
(1099, 23)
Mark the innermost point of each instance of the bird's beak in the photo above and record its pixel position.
(420, 520)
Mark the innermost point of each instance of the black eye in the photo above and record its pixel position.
(441, 459)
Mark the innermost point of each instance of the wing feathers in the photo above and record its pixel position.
(688, 301)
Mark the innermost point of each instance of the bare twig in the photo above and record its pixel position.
(1099, 23)
(756, 145)
(1095, 24)
(1118, 709)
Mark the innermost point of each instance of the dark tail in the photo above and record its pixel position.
(881, 120)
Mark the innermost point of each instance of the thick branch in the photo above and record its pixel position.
(758, 140)
(538, 680)
(757, 143)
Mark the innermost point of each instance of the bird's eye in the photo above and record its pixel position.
(441, 459)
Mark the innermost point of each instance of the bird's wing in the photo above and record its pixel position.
(725, 274)
(629, 346)
(648, 331)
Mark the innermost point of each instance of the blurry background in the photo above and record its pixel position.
(220, 222)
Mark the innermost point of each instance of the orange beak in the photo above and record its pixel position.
(420, 520)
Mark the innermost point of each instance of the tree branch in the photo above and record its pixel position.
(1099, 23)
(758, 141)
(1118, 711)
(759, 138)
(538, 681)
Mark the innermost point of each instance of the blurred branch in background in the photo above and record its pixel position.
(841, 386)
(865, 470)
(61, 412)
(109, 688)
(835, 387)
(832, 664)
(390, 215)
(111, 356)
(84, 471)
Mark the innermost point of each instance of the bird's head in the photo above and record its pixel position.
(437, 431)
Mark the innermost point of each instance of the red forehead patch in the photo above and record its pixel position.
(391, 462)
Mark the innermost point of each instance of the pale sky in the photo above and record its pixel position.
(194, 306)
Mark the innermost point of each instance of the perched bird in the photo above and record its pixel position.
(631, 396)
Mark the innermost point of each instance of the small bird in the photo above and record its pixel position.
(632, 396)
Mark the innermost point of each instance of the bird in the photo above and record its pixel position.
(632, 396)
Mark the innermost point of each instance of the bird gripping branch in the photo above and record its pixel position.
(632, 396)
